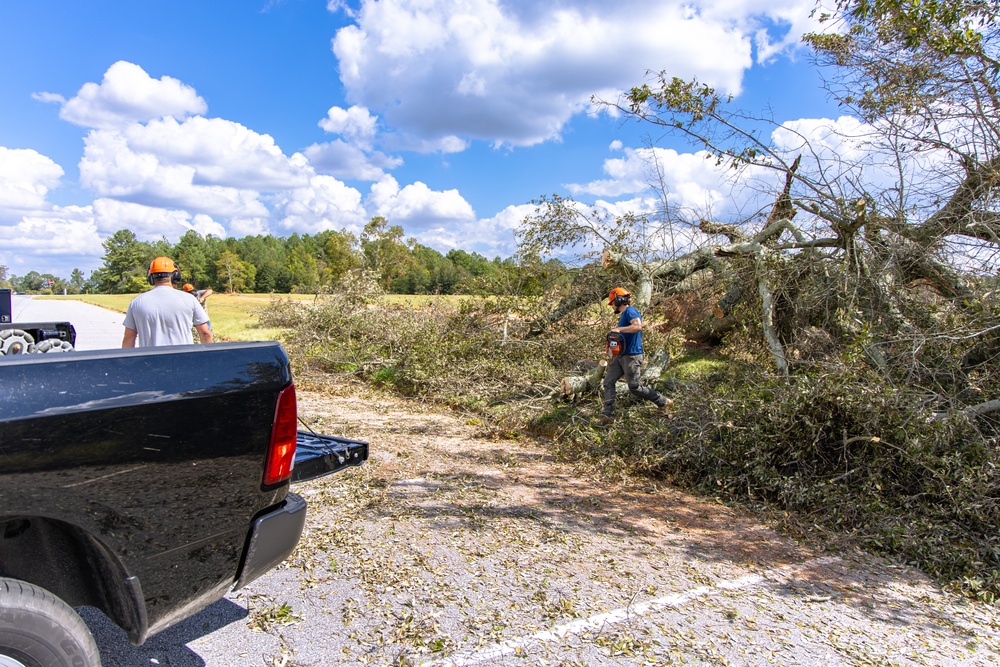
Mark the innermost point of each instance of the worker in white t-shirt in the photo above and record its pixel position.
(164, 315)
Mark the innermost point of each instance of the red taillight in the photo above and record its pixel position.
(284, 433)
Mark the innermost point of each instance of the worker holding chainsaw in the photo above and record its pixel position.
(625, 356)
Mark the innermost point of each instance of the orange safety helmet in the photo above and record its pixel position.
(619, 295)
(163, 266)
(188, 287)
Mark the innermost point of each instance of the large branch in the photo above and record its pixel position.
(731, 232)
(673, 270)
(767, 320)
(919, 264)
(590, 285)
(958, 215)
(783, 208)
(982, 409)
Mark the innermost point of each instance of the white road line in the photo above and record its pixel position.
(517, 645)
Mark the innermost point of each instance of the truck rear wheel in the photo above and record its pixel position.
(37, 629)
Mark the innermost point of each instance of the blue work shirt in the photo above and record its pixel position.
(633, 341)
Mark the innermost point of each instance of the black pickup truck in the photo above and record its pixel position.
(146, 483)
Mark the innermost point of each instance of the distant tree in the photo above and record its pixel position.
(385, 251)
(30, 283)
(125, 264)
(429, 272)
(159, 248)
(93, 283)
(53, 284)
(269, 255)
(4, 280)
(340, 256)
(235, 274)
(304, 269)
(469, 265)
(34, 282)
(189, 253)
(77, 281)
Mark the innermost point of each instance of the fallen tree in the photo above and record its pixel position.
(591, 381)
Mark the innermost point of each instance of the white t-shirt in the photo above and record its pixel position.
(164, 316)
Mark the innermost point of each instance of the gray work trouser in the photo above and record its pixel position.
(629, 365)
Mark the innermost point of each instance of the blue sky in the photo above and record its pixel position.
(237, 117)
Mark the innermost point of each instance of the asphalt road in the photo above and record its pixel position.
(96, 328)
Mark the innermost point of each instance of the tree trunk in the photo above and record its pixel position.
(767, 319)
(574, 384)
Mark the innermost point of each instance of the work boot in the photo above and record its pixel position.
(667, 406)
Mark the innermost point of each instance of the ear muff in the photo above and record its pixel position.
(618, 296)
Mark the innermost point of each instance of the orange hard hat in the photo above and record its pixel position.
(188, 287)
(162, 265)
(618, 292)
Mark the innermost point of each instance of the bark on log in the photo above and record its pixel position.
(959, 215)
(982, 409)
(974, 411)
(574, 384)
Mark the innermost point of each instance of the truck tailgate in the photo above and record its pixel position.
(318, 455)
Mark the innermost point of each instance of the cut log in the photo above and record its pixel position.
(574, 384)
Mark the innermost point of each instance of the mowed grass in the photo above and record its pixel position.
(234, 316)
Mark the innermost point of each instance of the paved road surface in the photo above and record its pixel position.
(96, 328)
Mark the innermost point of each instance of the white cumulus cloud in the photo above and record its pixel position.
(325, 204)
(416, 206)
(151, 223)
(343, 160)
(515, 73)
(127, 94)
(26, 176)
(356, 124)
(211, 166)
(51, 242)
(691, 182)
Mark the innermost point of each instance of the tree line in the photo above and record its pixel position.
(296, 263)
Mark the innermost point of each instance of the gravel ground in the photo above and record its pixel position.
(448, 548)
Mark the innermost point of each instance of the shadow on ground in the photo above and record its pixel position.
(166, 648)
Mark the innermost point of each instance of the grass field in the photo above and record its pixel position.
(232, 315)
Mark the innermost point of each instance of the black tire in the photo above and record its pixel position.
(37, 629)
